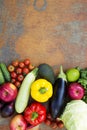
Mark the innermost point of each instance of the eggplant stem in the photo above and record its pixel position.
(62, 74)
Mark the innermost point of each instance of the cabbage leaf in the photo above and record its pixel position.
(75, 115)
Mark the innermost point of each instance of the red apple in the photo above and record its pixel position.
(18, 123)
(76, 91)
(8, 92)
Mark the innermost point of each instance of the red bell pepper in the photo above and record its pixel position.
(35, 113)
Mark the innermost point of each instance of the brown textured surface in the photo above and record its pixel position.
(57, 35)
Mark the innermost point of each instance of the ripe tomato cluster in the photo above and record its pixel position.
(57, 123)
(18, 70)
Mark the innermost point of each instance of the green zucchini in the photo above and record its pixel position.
(5, 72)
(24, 91)
(46, 71)
(2, 80)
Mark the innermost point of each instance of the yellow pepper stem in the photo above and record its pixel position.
(42, 90)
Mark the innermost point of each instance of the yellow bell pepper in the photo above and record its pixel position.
(41, 90)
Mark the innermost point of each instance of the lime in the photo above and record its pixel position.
(72, 74)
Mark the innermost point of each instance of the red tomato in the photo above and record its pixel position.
(13, 74)
(19, 70)
(13, 80)
(26, 61)
(17, 84)
(31, 67)
(11, 68)
(21, 64)
(20, 77)
(47, 122)
(15, 63)
(25, 70)
(60, 124)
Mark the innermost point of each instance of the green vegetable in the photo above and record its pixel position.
(72, 74)
(57, 102)
(45, 71)
(5, 72)
(24, 91)
(2, 80)
(75, 115)
(83, 81)
(83, 77)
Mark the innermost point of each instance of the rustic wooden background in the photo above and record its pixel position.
(56, 35)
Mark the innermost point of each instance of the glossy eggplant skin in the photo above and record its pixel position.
(2, 104)
(8, 110)
(58, 100)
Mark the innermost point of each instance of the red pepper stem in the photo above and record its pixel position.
(34, 115)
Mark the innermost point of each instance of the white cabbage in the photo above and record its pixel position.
(75, 115)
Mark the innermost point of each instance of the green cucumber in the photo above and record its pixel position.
(24, 91)
(2, 80)
(5, 72)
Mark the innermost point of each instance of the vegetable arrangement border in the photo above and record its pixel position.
(34, 94)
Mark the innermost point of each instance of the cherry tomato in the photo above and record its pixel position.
(53, 125)
(17, 84)
(15, 63)
(47, 122)
(11, 68)
(31, 67)
(21, 64)
(19, 70)
(13, 80)
(49, 116)
(25, 70)
(60, 124)
(20, 77)
(26, 61)
(13, 74)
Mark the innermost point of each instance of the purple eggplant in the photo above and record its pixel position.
(58, 103)
(8, 110)
(2, 103)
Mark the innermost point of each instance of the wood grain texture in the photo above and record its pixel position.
(57, 35)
